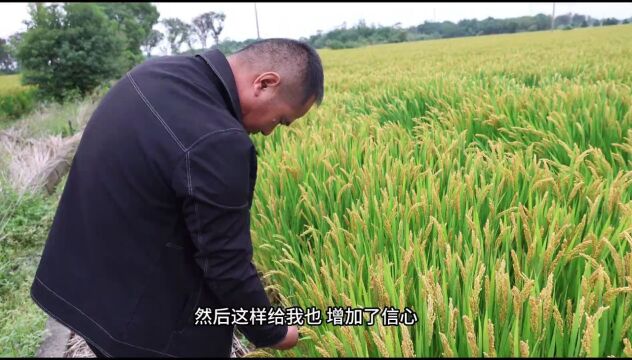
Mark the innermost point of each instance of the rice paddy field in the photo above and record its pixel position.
(9, 82)
(484, 183)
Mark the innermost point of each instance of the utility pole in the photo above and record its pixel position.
(257, 20)
(553, 18)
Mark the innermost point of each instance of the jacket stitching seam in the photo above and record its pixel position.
(190, 188)
(153, 110)
(210, 134)
(99, 325)
(50, 313)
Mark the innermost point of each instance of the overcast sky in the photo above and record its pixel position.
(295, 20)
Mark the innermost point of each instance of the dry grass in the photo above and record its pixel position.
(24, 159)
(77, 348)
(32, 148)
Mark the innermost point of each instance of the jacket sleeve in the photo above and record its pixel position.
(213, 180)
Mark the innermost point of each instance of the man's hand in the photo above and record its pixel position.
(290, 340)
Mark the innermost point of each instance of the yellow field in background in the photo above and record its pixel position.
(10, 83)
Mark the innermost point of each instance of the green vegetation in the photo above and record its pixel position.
(26, 214)
(24, 224)
(15, 100)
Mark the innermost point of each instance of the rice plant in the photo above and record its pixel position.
(485, 183)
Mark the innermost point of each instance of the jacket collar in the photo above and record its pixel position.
(218, 63)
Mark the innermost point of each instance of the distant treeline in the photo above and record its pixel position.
(363, 34)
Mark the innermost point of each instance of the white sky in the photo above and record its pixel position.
(295, 20)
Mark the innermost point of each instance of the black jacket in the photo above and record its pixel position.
(154, 219)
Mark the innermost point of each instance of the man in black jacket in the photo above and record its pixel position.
(154, 221)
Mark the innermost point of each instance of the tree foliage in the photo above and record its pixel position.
(217, 25)
(6, 60)
(135, 21)
(154, 38)
(208, 22)
(70, 49)
(178, 32)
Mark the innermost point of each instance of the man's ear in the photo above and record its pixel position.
(267, 81)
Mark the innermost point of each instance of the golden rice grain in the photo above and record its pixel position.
(333, 339)
(547, 300)
(534, 319)
(407, 343)
(490, 331)
(590, 330)
(627, 350)
(447, 351)
(474, 298)
(517, 303)
(524, 349)
(471, 336)
(559, 322)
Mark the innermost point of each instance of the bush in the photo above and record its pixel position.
(17, 103)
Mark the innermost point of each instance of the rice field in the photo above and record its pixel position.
(10, 83)
(485, 183)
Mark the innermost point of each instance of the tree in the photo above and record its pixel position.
(543, 22)
(428, 27)
(189, 37)
(217, 25)
(6, 61)
(564, 19)
(14, 42)
(490, 26)
(610, 21)
(511, 27)
(468, 27)
(448, 29)
(135, 21)
(177, 33)
(202, 25)
(578, 20)
(594, 22)
(70, 50)
(154, 38)
(230, 46)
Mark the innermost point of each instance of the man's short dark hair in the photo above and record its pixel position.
(299, 58)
